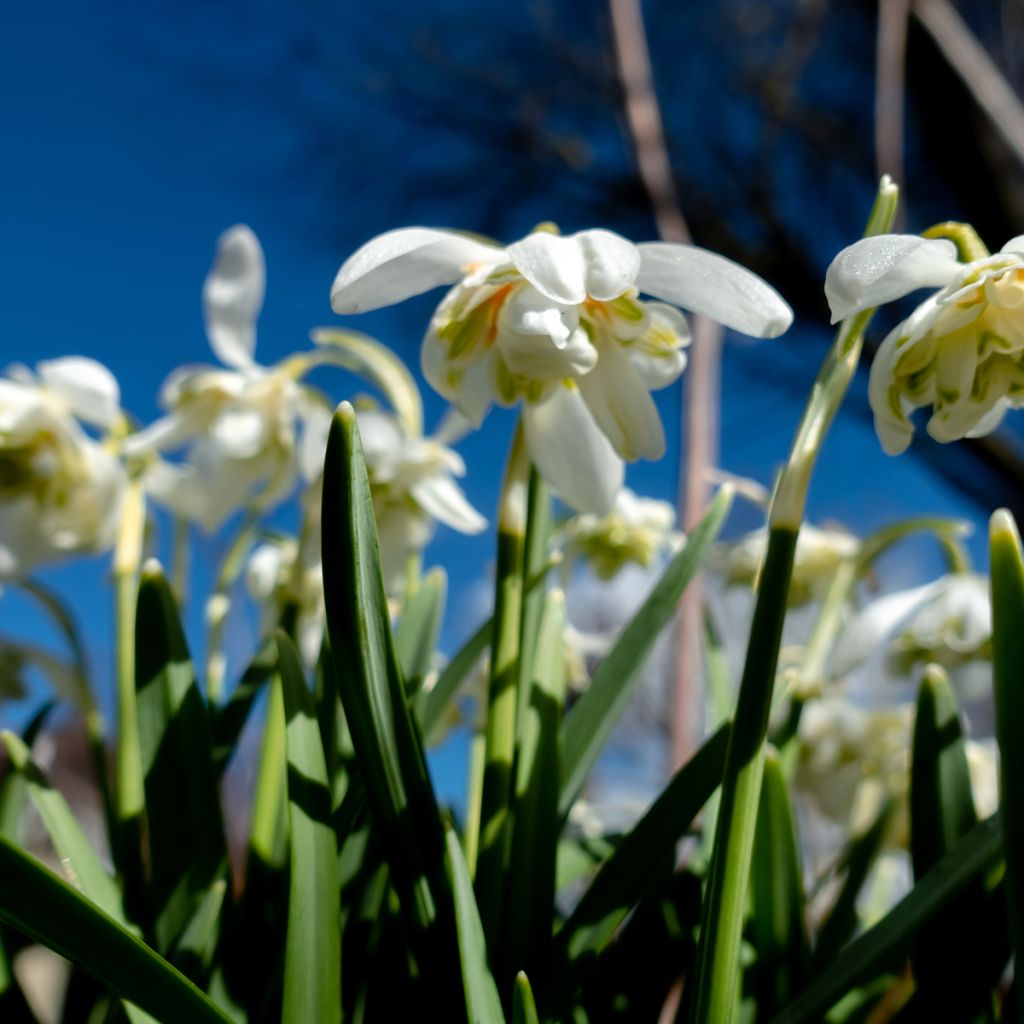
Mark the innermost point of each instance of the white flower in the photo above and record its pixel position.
(818, 554)
(961, 352)
(411, 481)
(60, 489)
(284, 572)
(243, 424)
(635, 530)
(557, 323)
(948, 621)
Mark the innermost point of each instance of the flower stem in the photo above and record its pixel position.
(725, 900)
(500, 724)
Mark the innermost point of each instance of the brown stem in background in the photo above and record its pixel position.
(699, 423)
(890, 78)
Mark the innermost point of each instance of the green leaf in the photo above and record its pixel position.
(483, 1006)
(526, 932)
(1007, 571)
(312, 978)
(524, 1008)
(592, 718)
(859, 857)
(777, 896)
(36, 902)
(436, 704)
(419, 627)
(187, 850)
(626, 876)
(387, 743)
(889, 940)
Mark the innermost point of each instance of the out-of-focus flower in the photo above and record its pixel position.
(557, 323)
(983, 765)
(413, 487)
(60, 488)
(286, 577)
(244, 424)
(853, 759)
(818, 554)
(960, 352)
(635, 530)
(948, 621)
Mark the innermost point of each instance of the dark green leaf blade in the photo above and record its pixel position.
(312, 970)
(593, 717)
(419, 627)
(36, 902)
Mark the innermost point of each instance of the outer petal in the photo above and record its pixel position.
(439, 496)
(571, 452)
(622, 406)
(399, 264)
(707, 283)
(241, 432)
(88, 387)
(233, 296)
(886, 267)
(892, 425)
(1015, 244)
(597, 263)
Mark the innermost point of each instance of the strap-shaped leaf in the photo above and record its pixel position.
(483, 1005)
(890, 939)
(187, 850)
(386, 741)
(229, 721)
(37, 903)
(312, 966)
(623, 881)
(524, 1007)
(593, 717)
(419, 627)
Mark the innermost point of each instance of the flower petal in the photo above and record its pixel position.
(440, 497)
(707, 283)
(399, 264)
(554, 265)
(892, 425)
(1015, 244)
(611, 263)
(622, 406)
(886, 267)
(571, 452)
(233, 296)
(88, 387)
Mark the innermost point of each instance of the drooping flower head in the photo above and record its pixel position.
(961, 352)
(636, 530)
(557, 324)
(243, 424)
(60, 487)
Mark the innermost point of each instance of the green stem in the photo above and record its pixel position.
(725, 900)
(500, 724)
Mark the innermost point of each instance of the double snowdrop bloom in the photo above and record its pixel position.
(245, 425)
(413, 487)
(60, 488)
(635, 530)
(818, 554)
(948, 622)
(557, 323)
(961, 352)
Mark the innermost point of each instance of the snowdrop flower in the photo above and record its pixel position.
(948, 622)
(557, 323)
(242, 423)
(635, 530)
(413, 487)
(961, 352)
(60, 488)
(818, 554)
(283, 573)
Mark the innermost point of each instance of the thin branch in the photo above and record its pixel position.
(699, 424)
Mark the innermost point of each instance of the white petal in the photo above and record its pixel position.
(886, 267)
(553, 265)
(536, 357)
(892, 425)
(611, 263)
(316, 425)
(714, 286)
(399, 264)
(439, 496)
(527, 311)
(88, 387)
(263, 570)
(991, 421)
(453, 427)
(1015, 244)
(233, 296)
(571, 453)
(166, 433)
(240, 432)
(622, 405)
(475, 392)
